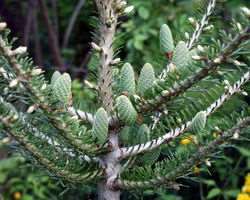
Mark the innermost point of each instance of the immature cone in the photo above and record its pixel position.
(146, 79)
(198, 122)
(143, 133)
(127, 79)
(181, 56)
(100, 126)
(125, 109)
(61, 88)
(55, 76)
(166, 39)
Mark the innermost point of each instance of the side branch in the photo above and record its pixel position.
(202, 153)
(148, 146)
(26, 77)
(200, 26)
(181, 87)
(67, 175)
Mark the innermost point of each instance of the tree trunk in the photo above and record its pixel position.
(106, 188)
(104, 193)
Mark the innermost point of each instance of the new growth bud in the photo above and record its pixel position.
(3, 26)
(19, 51)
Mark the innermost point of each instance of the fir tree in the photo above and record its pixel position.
(122, 145)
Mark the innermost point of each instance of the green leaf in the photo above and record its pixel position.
(213, 193)
(125, 109)
(181, 56)
(100, 126)
(166, 39)
(146, 79)
(127, 79)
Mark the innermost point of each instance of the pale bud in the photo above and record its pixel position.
(44, 86)
(244, 93)
(19, 51)
(13, 83)
(208, 163)
(237, 63)
(196, 57)
(96, 47)
(171, 67)
(36, 72)
(115, 61)
(208, 28)
(192, 21)
(128, 9)
(226, 82)
(3, 26)
(187, 35)
(31, 109)
(15, 117)
(246, 11)
(200, 48)
(236, 135)
(164, 93)
(6, 140)
(239, 26)
(217, 128)
(218, 60)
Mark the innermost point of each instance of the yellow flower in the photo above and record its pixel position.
(185, 141)
(243, 196)
(197, 171)
(247, 182)
(17, 195)
(246, 189)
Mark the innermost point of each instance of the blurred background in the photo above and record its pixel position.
(58, 35)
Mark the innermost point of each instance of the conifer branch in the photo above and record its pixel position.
(172, 134)
(201, 25)
(22, 121)
(201, 154)
(84, 116)
(52, 167)
(26, 78)
(181, 87)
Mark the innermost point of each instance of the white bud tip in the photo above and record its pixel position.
(95, 46)
(129, 9)
(226, 82)
(31, 109)
(3, 26)
(200, 48)
(13, 83)
(44, 86)
(244, 93)
(116, 61)
(217, 60)
(187, 35)
(239, 26)
(36, 72)
(192, 20)
(20, 50)
(196, 57)
(246, 11)
(208, 28)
